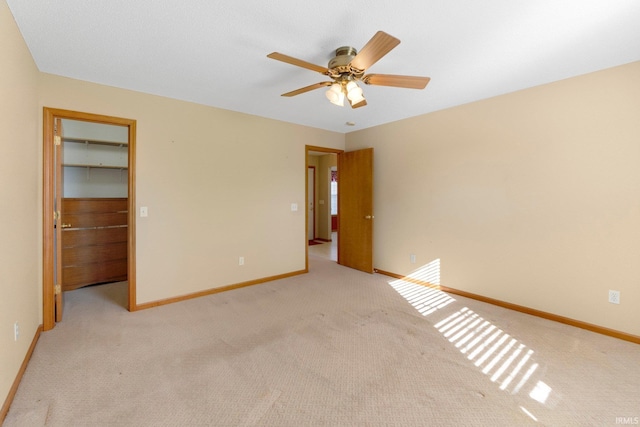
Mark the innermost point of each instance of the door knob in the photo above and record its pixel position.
(369, 217)
(65, 225)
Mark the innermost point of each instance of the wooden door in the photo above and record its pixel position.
(59, 225)
(355, 207)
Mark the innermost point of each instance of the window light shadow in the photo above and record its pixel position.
(501, 357)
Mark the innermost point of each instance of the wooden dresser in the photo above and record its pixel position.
(94, 241)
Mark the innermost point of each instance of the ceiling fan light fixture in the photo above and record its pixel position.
(354, 92)
(335, 95)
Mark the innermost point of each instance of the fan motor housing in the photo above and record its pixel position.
(344, 55)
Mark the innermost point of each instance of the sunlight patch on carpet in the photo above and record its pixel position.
(502, 358)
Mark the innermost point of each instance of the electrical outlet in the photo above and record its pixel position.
(241, 260)
(16, 331)
(614, 297)
(412, 258)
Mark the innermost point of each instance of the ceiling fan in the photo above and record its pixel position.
(348, 68)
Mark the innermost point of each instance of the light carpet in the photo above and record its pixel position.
(335, 347)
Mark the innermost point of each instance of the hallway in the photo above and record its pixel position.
(328, 250)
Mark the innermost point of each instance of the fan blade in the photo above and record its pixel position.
(379, 45)
(307, 88)
(298, 62)
(411, 82)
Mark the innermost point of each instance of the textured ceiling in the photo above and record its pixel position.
(214, 52)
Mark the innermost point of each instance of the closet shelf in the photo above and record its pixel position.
(94, 141)
(74, 165)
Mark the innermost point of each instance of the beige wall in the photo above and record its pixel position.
(314, 161)
(322, 163)
(20, 272)
(324, 193)
(218, 185)
(531, 198)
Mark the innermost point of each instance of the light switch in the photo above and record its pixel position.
(294, 207)
(144, 211)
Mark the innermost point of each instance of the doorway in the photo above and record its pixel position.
(100, 155)
(322, 161)
(355, 217)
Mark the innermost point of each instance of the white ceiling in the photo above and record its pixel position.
(215, 52)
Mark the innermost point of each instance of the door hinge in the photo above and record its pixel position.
(57, 289)
(57, 140)
(56, 215)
